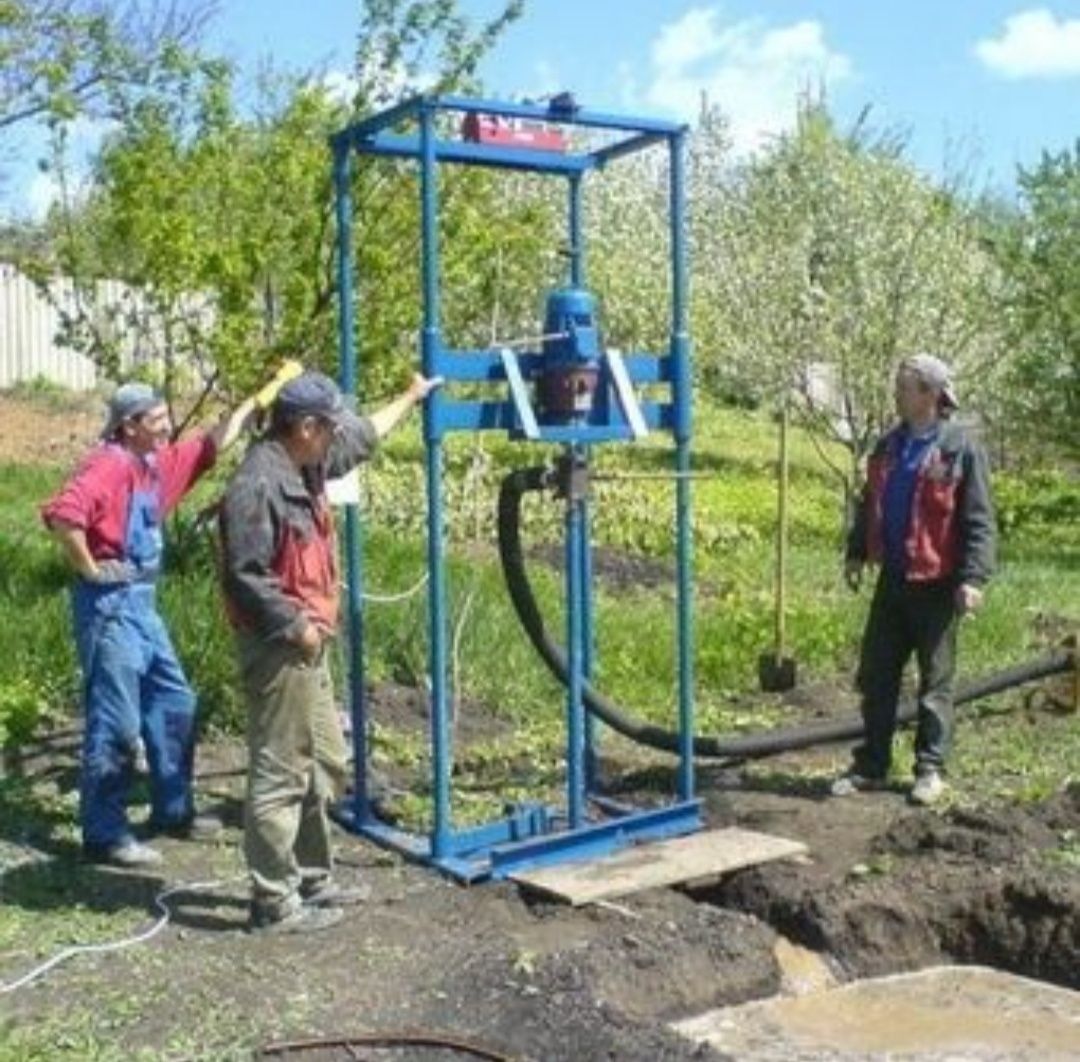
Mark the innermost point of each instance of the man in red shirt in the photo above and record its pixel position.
(108, 518)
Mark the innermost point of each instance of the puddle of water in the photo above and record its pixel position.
(952, 1012)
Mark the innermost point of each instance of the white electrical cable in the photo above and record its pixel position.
(390, 599)
(455, 650)
(117, 945)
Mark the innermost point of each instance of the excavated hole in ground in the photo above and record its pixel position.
(989, 887)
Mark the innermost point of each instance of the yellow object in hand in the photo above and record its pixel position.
(288, 371)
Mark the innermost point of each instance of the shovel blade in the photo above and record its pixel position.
(776, 673)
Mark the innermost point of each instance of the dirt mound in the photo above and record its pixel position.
(607, 995)
(991, 887)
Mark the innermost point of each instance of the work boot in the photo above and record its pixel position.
(129, 854)
(851, 782)
(327, 893)
(201, 827)
(928, 789)
(303, 918)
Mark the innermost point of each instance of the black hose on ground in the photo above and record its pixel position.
(751, 746)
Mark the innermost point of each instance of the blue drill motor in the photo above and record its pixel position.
(571, 357)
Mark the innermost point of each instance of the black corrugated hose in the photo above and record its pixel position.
(745, 747)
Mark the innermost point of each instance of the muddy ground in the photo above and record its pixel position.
(886, 888)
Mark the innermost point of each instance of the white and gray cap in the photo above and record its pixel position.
(127, 401)
(935, 373)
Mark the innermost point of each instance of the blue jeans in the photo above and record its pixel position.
(133, 687)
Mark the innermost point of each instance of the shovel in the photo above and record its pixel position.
(776, 671)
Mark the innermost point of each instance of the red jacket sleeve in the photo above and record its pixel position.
(181, 464)
(83, 500)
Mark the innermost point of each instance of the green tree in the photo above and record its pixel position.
(1038, 251)
(220, 223)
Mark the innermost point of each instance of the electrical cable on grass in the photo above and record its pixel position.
(124, 942)
(391, 599)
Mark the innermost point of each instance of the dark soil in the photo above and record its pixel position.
(886, 888)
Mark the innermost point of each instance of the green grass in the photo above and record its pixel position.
(1036, 594)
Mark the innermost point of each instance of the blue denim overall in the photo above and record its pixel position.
(133, 686)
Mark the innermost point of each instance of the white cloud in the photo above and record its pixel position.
(339, 86)
(39, 194)
(32, 186)
(754, 73)
(1033, 44)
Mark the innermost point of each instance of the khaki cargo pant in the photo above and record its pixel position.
(296, 766)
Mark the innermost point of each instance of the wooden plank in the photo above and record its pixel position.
(707, 854)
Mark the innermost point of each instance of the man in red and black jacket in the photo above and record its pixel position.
(281, 585)
(927, 520)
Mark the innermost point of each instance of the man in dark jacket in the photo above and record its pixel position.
(926, 518)
(281, 585)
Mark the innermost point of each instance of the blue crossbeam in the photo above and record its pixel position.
(546, 113)
(478, 366)
(452, 415)
(527, 838)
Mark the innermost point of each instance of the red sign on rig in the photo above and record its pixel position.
(512, 132)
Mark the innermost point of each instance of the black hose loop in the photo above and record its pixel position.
(750, 746)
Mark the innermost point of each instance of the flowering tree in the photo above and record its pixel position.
(834, 259)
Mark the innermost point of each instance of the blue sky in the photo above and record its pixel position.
(989, 81)
(985, 84)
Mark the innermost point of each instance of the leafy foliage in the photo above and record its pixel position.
(221, 224)
(61, 59)
(835, 258)
(1037, 248)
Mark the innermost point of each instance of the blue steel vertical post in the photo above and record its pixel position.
(440, 732)
(576, 233)
(683, 400)
(353, 546)
(575, 711)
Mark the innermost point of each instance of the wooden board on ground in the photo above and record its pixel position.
(679, 860)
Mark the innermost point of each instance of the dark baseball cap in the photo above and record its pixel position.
(311, 394)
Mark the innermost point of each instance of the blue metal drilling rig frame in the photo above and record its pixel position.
(569, 392)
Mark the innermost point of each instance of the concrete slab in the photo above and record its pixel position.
(944, 1014)
(696, 857)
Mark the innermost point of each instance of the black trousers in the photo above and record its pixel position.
(908, 618)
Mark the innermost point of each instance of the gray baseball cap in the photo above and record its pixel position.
(127, 401)
(934, 372)
(312, 394)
